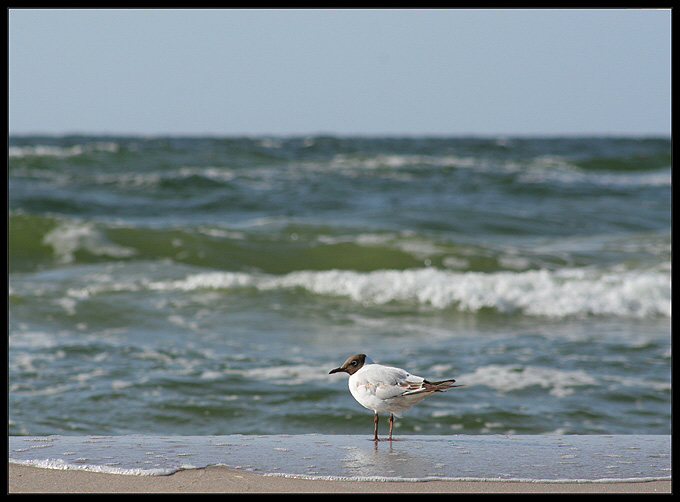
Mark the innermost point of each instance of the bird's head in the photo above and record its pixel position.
(352, 364)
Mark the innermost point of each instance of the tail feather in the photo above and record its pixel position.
(440, 386)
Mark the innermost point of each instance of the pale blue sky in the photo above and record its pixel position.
(345, 72)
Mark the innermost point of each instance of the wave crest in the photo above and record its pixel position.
(561, 293)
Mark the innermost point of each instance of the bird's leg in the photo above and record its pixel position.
(391, 423)
(375, 430)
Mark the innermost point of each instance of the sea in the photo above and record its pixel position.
(206, 286)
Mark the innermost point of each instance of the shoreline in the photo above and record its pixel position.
(336, 463)
(216, 479)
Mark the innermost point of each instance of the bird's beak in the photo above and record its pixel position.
(336, 370)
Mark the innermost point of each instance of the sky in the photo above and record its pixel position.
(340, 72)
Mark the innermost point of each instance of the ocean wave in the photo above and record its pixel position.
(560, 293)
(465, 278)
(651, 170)
(508, 378)
(70, 237)
(290, 375)
(61, 151)
(252, 169)
(81, 465)
(552, 172)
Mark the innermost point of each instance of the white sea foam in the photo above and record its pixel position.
(557, 294)
(295, 374)
(61, 151)
(396, 161)
(508, 378)
(207, 280)
(661, 177)
(63, 465)
(72, 236)
(554, 169)
(560, 293)
(542, 169)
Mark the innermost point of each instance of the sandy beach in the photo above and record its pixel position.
(24, 479)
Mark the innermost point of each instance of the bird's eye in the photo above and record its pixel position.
(353, 363)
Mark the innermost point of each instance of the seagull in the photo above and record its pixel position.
(386, 389)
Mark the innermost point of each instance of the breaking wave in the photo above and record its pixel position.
(557, 294)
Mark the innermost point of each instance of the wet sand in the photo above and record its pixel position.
(25, 479)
